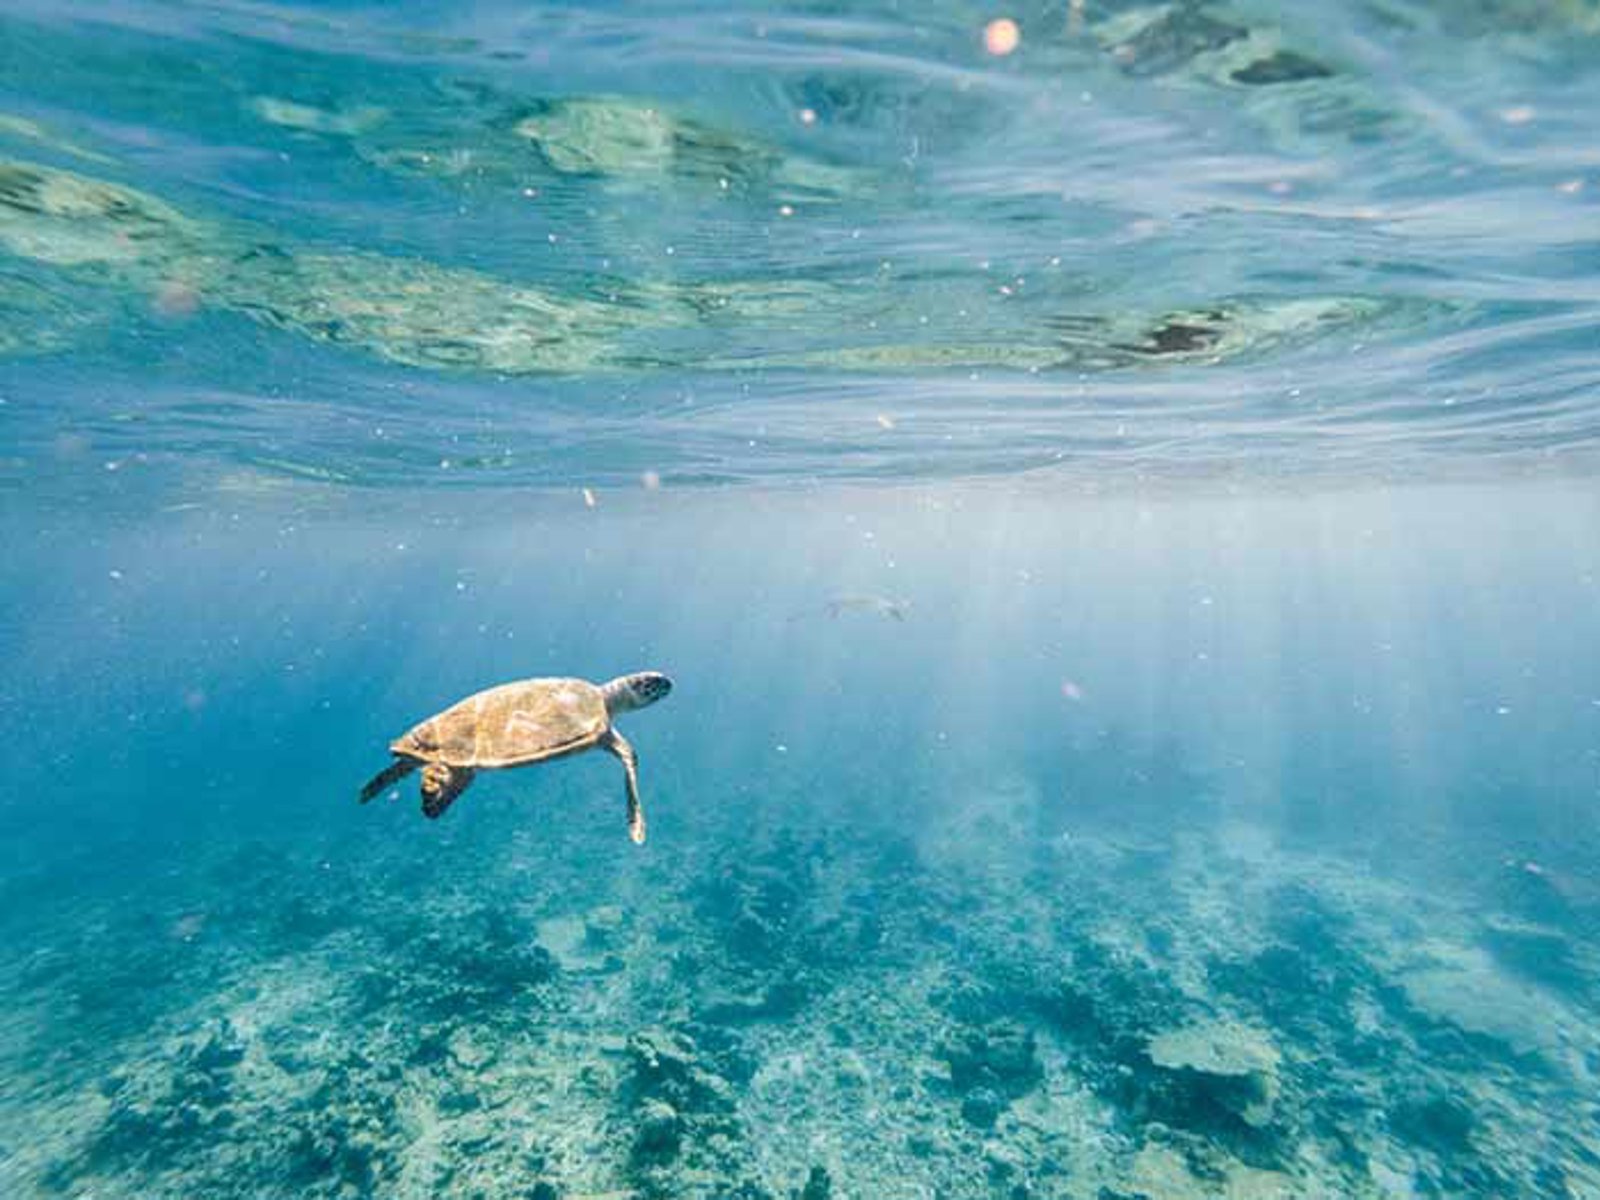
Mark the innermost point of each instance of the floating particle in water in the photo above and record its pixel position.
(651, 481)
(1521, 114)
(786, 210)
(1071, 690)
(175, 298)
(1001, 36)
(885, 421)
(588, 498)
(189, 926)
(1571, 186)
(71, 445)
(808, 116)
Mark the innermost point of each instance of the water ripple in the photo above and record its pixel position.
(554, 245)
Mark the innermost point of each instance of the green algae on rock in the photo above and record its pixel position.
(624, 138)
(423, 315)
(605, 135)
(64, 219)
(497, 138)
(408, 311)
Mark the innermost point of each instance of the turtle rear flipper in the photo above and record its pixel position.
(441, 785)
(388, 777)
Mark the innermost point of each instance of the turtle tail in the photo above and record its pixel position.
(390, 775)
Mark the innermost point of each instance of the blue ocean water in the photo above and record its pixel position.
(1112, 483)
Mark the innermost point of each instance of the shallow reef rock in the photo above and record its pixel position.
(1222, 1064)
(819, 1185)
(991, 1065)
(660, 1131)
(669, 1065)
(1104, 1018)
(681, 1112)
(158, 1119)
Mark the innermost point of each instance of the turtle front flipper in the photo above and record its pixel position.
(441, 785)
(618, 745)
(388, 777)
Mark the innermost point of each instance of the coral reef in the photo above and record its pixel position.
(774, 1013)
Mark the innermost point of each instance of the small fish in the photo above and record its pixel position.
(883, 606)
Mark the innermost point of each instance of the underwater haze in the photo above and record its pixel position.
(1113, 485)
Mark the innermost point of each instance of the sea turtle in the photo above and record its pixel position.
(516, 724)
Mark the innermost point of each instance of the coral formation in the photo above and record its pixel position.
(797, 1013)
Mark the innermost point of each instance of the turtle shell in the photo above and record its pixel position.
(511, 725)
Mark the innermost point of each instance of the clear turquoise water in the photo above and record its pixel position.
(1120, 516)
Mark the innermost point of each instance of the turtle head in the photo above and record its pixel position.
(628, 692)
